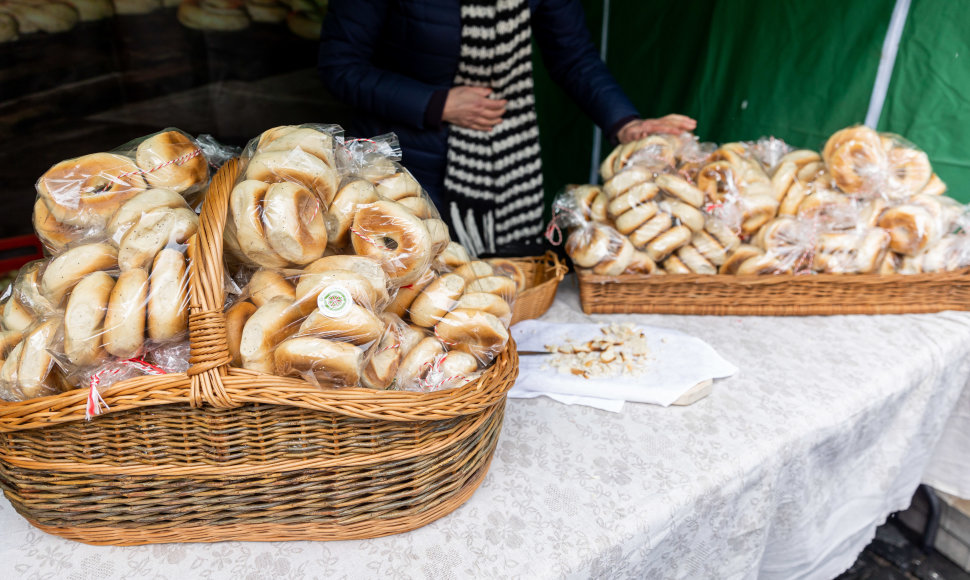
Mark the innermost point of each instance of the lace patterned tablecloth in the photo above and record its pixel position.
(784, 471)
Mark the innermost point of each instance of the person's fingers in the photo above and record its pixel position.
(675, 118)
(668, 129)
(490, 113)
(494, 104)
(480, 91)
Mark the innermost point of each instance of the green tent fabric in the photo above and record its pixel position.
(929, 96)
(798, 71)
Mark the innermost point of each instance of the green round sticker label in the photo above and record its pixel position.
(334, 301)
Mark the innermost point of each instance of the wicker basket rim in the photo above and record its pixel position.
(755, 279)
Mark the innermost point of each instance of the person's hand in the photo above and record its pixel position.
(640, 128)
(471, 108)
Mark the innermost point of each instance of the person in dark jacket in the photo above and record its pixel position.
(453, 80)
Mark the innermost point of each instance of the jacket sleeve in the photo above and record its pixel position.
(351, 30)
(568, 52)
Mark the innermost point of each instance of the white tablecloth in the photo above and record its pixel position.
(784, 471)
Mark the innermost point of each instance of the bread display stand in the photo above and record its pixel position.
(775, 295)
(222, 453)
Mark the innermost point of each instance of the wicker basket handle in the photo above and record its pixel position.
(560, 267)
(207, 322)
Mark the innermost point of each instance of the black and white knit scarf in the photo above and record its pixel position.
(494, 178)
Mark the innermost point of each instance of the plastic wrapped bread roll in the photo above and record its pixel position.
(155, 231)
(619, 258)
(709, 247)
(417, 362)
(588, 246)
(687, 215)
(319, 361)
(348, 322)
(367, 268)
(674, 265)
(132, 210)
(872, 250)
(911, 228)
(16, 316)
(264, 285)
(406, 295)
(266, 328)
(626, 179)
(341, 213)
(86, 191)
(26, 289)
(782, 180)
(67, 269)
(909, 168)
(668, 242)
(436, 300)
(420, 207)
(935, 186)
(635, 217)
(737, 257)
(475, 269)
(680, 189)
(440, 237)
(391, 235)
(641, 263)
(236, 317)
(172, 160)
(316, 142)
(54, 235)
(501, 286)
(717, 181)
(587, 200)
(857, 160)
(486, 302)
(695, 261)
(397, 186)
(168, 298)
(451, 369)
(34, 362)
(477, 333)
(761, 265)
(247, 232)
(757, 211)
(84, 319)
(383, 361)
(632, 198)
(293, 222)
(124, 322)
(650, 230)
(453, 257)
(952, 252)
(511, 269)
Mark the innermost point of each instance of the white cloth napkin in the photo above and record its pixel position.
(678, 363)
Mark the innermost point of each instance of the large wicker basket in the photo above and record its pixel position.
(222, 453)
(781, 295)
(543, 275)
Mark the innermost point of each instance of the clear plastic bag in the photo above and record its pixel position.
(278, 208)
(77, 197)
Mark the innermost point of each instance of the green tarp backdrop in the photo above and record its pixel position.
(794, 70)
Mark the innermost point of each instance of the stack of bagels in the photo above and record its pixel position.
(869, 203)
(350, 276)
(116, 285)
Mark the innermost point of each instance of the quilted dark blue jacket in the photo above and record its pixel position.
(388, 59)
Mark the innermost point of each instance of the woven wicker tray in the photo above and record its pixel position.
(781, 295)
(543, 275)
(222, 453)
